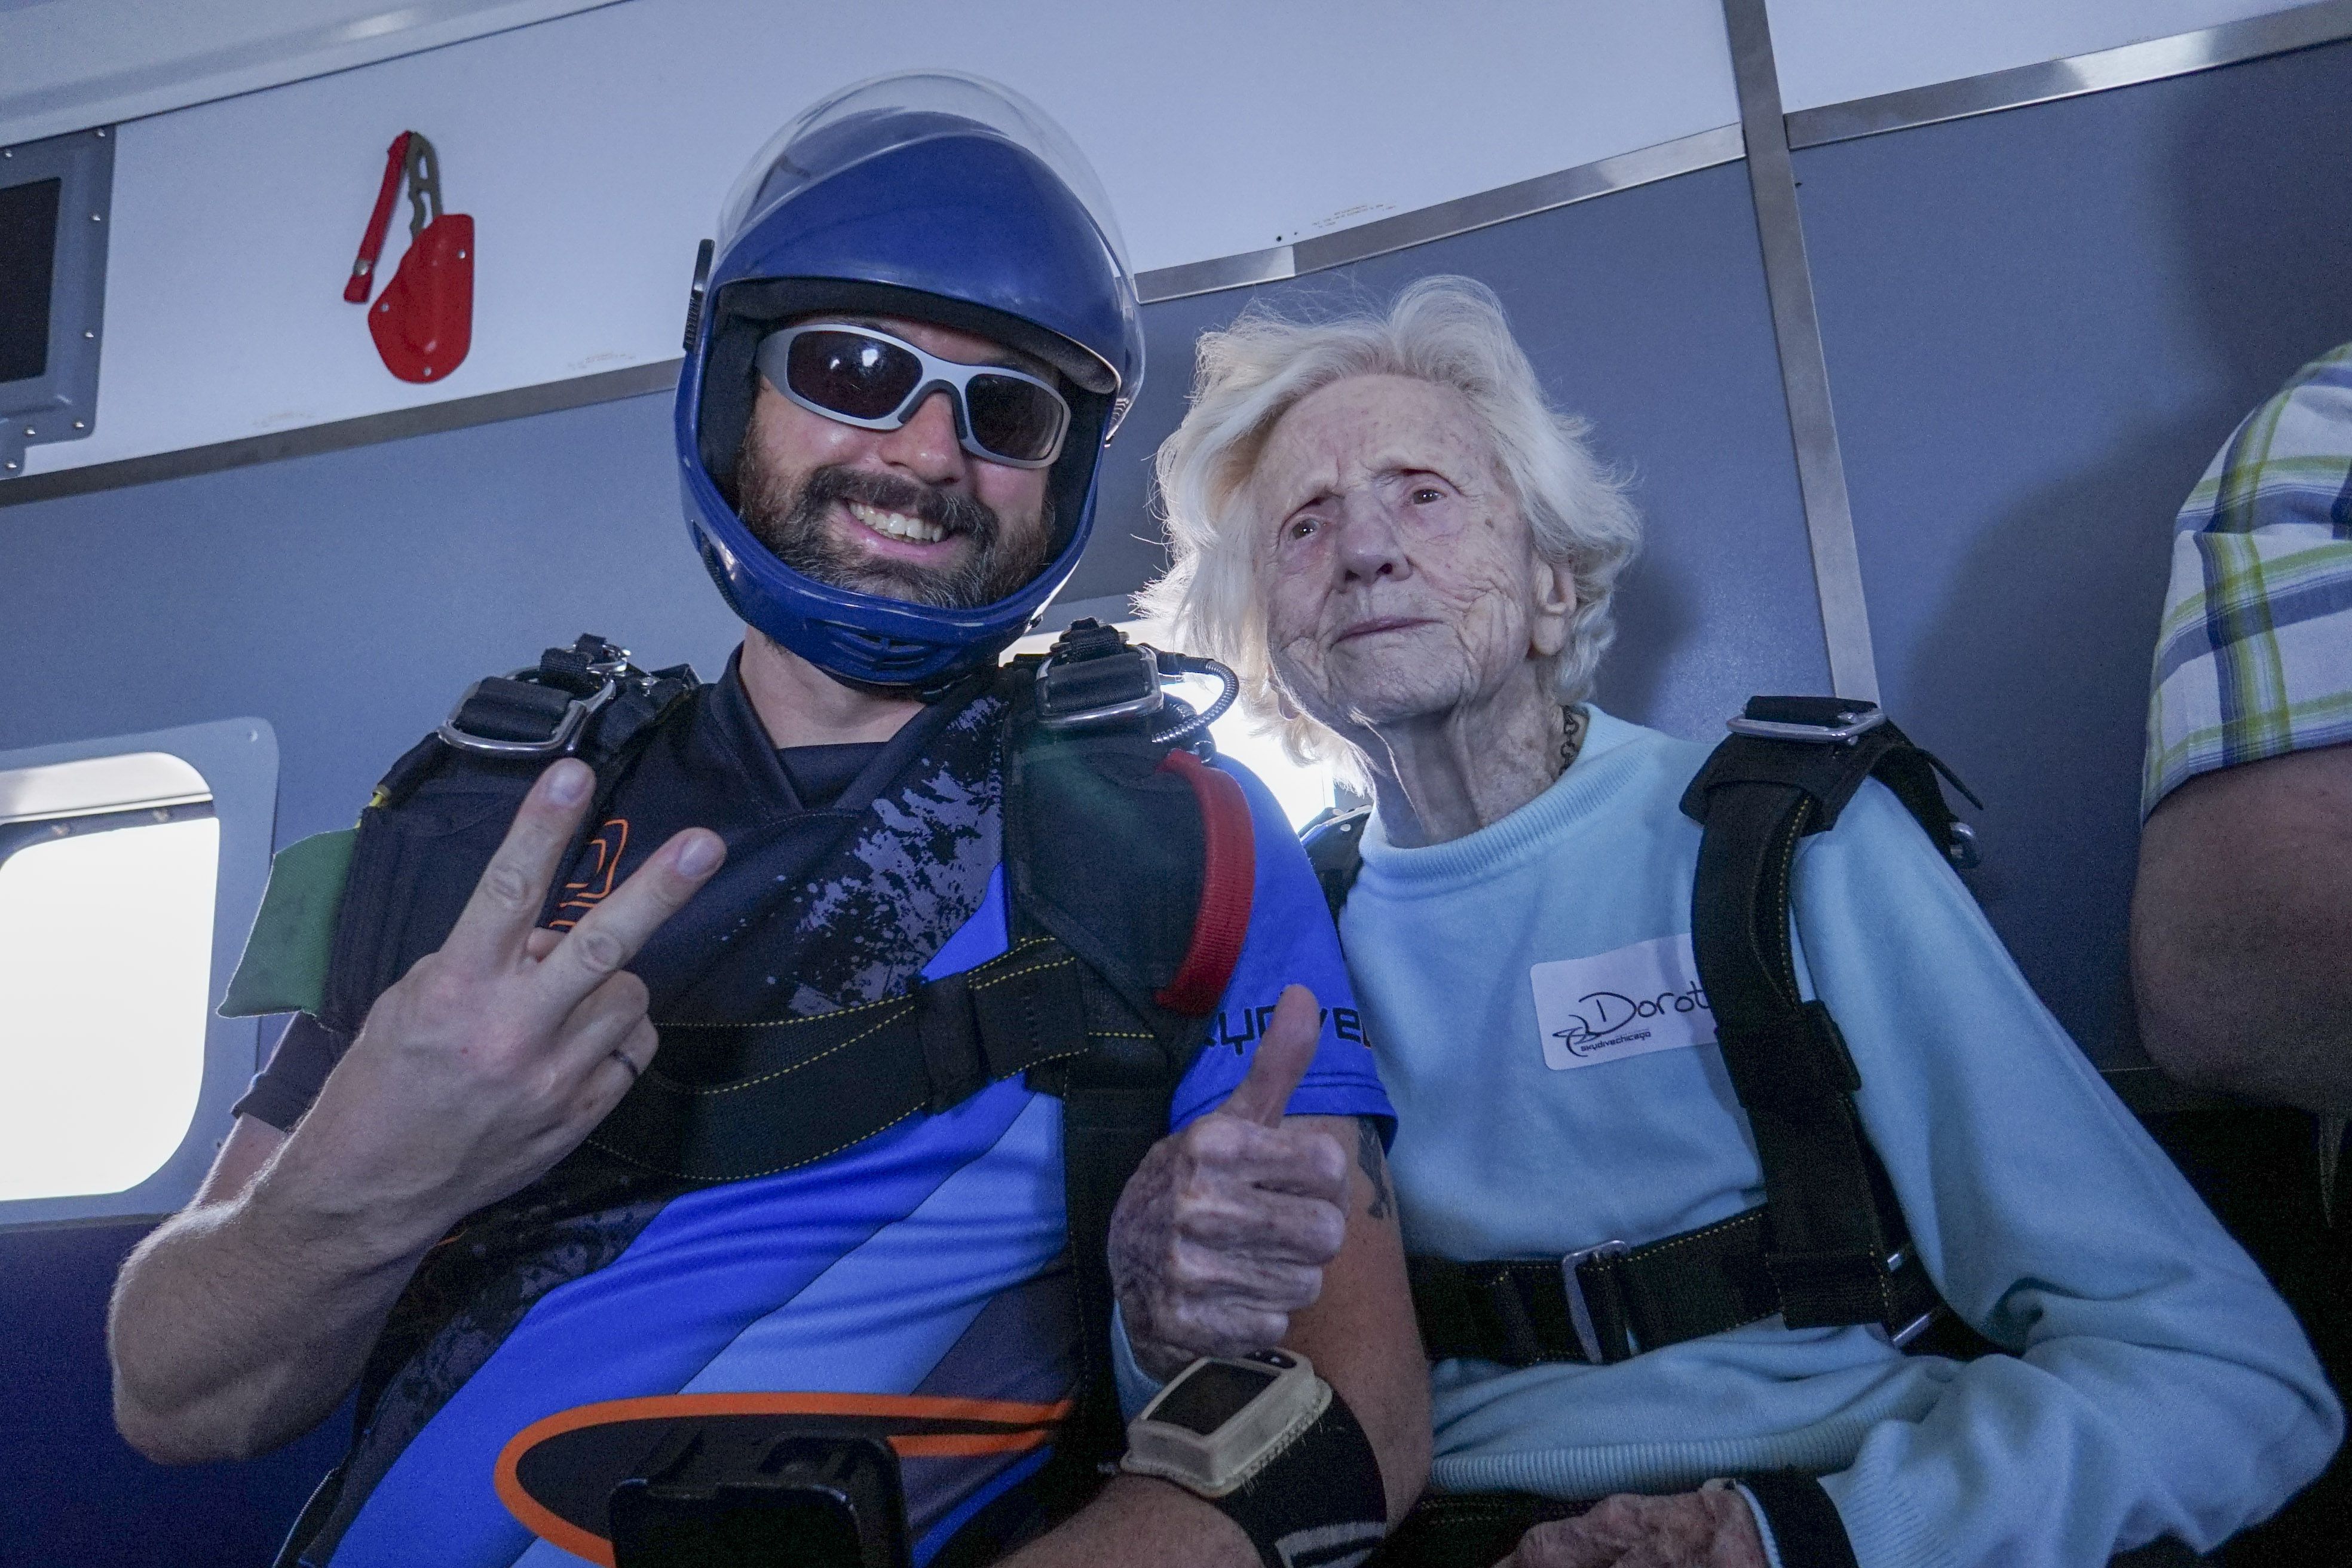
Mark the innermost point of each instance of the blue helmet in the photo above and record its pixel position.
(938, 197)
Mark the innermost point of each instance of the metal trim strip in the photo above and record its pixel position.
(2128, 65)
(1643, 165)
(1805, 373)
(425, 419)
(1269, 266)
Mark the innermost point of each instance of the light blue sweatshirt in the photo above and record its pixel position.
(2163, 1387)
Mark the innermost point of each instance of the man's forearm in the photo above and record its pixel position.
(241, 1322)
(1359, 1331)
(1139, 1522)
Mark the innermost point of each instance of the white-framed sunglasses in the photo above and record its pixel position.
(863, 377)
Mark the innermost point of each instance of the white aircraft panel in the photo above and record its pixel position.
(75, 64)
(592, 152)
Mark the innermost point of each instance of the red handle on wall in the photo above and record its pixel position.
(362, 278)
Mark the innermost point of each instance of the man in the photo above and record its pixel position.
(1696, 1125)
(2242, 913)
(551, 1263)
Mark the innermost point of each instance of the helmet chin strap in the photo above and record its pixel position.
(926, 693)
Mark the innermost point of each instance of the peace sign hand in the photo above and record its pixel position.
(492, 1059)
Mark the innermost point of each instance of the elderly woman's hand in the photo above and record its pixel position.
(1710, 1528)
(1225, 1229)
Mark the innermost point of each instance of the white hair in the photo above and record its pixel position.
(1447, 330)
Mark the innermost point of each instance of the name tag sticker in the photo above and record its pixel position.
(1628, 1002)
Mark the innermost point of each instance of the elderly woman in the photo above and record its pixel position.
(1409, 556)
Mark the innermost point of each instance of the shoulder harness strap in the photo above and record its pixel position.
(1828, 1245)
(1335, 847)
(1149, 880)
(318, 947)
(413, 868)
(1837, 1249)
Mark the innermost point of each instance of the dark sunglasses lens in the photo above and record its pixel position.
(851, 373)
(1016, 419)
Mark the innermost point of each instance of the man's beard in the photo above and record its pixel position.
(794, 525)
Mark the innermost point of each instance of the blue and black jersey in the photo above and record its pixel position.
(919, 1278)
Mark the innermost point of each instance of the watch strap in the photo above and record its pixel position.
(1318, 1503)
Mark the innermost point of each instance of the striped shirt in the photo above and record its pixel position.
(2253, 658)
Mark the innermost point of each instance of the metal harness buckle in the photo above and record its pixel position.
(1580, 1311)
(1854, 725)
(1094, 676)
(610, 673)
(1911, 1330)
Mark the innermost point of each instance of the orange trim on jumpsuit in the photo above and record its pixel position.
(551, 1526)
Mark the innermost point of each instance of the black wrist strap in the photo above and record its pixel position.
(1805, 1524)
(1319, 1503)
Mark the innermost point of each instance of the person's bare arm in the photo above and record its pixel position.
(1359, 1334)
(2241, 925)
(1251, 1228)
(242, 1320)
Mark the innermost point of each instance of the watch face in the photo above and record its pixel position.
(1211, 1395)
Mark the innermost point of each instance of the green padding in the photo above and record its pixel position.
(284, 969)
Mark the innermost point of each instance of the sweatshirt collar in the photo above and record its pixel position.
(1603, 768)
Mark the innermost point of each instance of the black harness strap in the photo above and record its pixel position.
(726, 1102)
(1520, 1312)
(1334, 841)
(1068, 796)
(1836, 1244)
(412, 869)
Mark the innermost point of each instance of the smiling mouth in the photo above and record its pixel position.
(896, 525)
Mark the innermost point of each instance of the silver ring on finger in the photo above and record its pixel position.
(627, 1061)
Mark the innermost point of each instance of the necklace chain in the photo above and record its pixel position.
(1571, 736)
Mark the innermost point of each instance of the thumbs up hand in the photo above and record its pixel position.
(1225, 1229)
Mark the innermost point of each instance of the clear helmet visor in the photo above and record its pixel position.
(886, 113)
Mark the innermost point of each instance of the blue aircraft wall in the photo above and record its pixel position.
(2038, 325)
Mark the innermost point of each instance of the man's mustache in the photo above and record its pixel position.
(950, 511)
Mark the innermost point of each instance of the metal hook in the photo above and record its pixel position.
(424, 183)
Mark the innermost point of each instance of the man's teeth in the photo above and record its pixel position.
(897, 524)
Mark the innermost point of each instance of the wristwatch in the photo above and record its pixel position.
(1224, 1418)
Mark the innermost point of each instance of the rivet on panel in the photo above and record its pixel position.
(98, 217)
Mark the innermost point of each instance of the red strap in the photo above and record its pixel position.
(362, 278)
(1228, 879)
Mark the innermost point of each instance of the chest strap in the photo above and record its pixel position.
(726, 1102)
(1828, 1245)
(1610, 1303)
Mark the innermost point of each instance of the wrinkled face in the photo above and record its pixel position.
(907, 514)
(1399, 576)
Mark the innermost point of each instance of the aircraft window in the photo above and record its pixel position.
(124, 866)
(106, 936)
